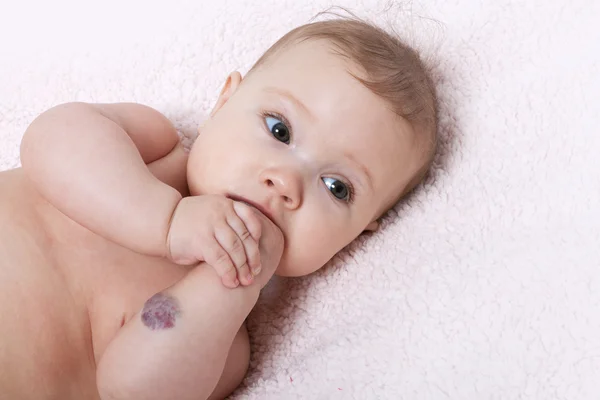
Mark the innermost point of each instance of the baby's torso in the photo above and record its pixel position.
(64, 293)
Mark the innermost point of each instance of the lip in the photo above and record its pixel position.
(251, 203)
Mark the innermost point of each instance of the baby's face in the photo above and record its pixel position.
(321, 154)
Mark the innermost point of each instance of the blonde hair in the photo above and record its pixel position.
(393, 70)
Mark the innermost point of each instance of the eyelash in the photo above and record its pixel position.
(280, 117)
(274, 114)
(350, 192)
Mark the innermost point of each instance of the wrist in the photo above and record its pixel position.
(205, 280)
(167, 199)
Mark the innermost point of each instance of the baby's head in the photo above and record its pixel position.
(328, 130)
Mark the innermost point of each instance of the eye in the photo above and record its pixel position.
(339, 189)
(278, 129)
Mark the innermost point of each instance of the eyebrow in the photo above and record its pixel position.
(292, 99)
(362, 167)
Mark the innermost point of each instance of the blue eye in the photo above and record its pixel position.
(278, 129)
(339, 189)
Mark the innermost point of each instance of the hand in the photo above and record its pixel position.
(271, 246)
(223, 233)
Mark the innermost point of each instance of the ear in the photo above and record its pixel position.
(231, 84)
(373, 226)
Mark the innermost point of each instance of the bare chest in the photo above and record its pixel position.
(64, 293)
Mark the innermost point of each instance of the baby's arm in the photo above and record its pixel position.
(176, 347)
(82, 160)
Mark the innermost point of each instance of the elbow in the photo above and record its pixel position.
(40, 137)
(30, 149)
(29, 141)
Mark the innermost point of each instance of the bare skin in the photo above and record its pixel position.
(92, 304)
(65, 293)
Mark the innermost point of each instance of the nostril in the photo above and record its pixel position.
(270, 183)
(287, 199)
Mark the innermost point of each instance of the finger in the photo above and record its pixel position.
(248, 215)
(233, 245)
(218, 258)
(250, 243)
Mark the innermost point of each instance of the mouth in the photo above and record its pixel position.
(257, 206)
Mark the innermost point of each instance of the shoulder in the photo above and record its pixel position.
(152, 132)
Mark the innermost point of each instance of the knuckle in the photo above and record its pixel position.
(222, 259)
(255, 257)
(231, 272)
(238, 255)
(245, 235)
(236, 245)
(253, 225)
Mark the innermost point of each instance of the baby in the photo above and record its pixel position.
(128, 265)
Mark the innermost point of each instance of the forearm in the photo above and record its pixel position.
(153, 359)
(87, 166)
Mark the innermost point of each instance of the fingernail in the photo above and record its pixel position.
(257, 270)
(250, 277)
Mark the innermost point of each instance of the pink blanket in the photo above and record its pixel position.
(485, 284)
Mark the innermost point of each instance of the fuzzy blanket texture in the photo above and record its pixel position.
(483, 284)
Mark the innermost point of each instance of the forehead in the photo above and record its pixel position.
(347, 117)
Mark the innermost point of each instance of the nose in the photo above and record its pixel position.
(285, 185)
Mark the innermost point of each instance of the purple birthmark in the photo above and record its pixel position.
(160, 312)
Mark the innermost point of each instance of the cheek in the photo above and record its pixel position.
(206, 164)
(218, 161)
(311, 244)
